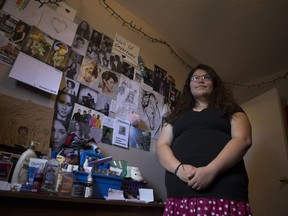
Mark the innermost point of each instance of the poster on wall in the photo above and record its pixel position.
(38, 44)
(29, 14)
(8, 52)
(121, 133)
(7, 24)
(126, 49)
(58, 55)
(108, 128)
(36, 73)
(127, 98)
(150, 109)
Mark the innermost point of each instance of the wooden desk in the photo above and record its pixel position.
(32, 204)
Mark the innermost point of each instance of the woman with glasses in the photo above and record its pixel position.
(201, 146)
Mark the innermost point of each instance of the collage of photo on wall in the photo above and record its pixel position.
(90, 82)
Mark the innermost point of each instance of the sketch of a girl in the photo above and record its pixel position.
(151, 110)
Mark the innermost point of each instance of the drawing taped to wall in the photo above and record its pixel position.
(57, 26)
(150, 107)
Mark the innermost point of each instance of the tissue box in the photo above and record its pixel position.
(102, 183)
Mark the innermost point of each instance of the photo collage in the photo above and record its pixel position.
(86, 102)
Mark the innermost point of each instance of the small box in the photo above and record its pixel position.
(146, 194)
(102, 183)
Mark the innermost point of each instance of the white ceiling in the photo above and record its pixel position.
(241, 39)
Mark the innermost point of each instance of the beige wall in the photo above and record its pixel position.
(267, 161)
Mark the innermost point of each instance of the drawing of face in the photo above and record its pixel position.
(64, 106)
(150, 108)
(23, 131)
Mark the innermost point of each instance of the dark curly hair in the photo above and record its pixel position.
(221, 98)
(108, 74)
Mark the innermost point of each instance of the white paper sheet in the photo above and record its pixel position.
(66, 11)
(36, 73)
(121, 133)
(126, 49)
(57, 26)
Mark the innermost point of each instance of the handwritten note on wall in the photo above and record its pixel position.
(126, 49)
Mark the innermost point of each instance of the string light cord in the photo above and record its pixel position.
(139, 30)
(262, 84)
(43, 2)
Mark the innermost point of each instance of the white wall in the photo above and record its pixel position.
(267, 160)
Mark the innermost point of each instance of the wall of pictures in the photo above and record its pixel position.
(101, 87)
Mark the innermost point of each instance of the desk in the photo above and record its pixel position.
(32, 204)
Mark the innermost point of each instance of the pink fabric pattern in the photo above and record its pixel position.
(206, 207)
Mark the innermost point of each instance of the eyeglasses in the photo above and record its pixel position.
(203, 77)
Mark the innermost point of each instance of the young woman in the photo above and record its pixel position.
(201, 146)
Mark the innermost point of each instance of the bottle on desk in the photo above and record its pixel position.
(89, 187)
(38, 179)
(66, 184)
(20, 173)
(51, 174)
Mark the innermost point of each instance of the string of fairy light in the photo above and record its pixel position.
(43, 2)
(262, 84)
(139, 30)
